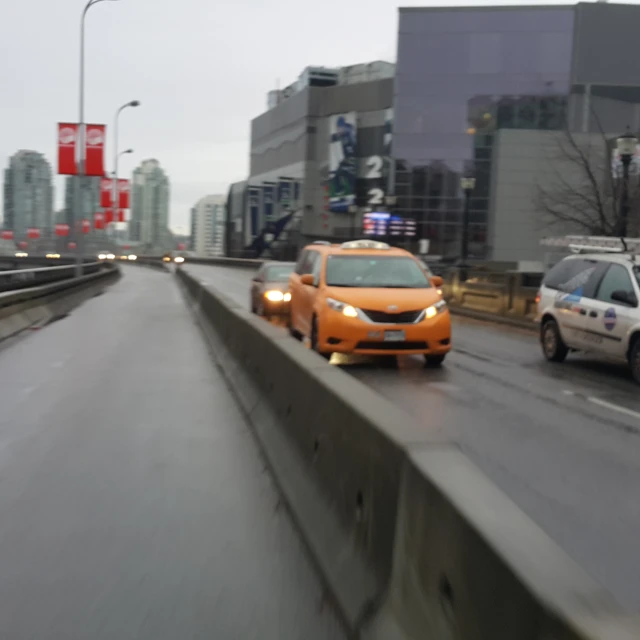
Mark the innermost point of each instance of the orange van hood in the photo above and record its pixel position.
(381, 299)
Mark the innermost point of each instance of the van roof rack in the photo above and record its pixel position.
(594, 244)
(324, 243)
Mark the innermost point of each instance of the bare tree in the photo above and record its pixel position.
(579, 191)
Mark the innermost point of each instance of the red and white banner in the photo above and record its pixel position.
(72, 245)
(7, 235)
(126, 246)
(123, 193)
(62, 229)
(94, 145)
(67, 137)
(98, 221)
(33, 233)
(86, 226)
(106, 191)
(122, 215)
(182, 246)
(108, 217)
(23, 244)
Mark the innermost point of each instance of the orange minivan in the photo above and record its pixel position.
(366, 297)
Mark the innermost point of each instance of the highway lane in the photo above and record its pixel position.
(134, 503)
(562, 440)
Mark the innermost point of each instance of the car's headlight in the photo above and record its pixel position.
(435, 309)
(344, 308)
(287, 297)
(132, 257)
(110, 256)
(178, 259)
(274, 296)
(102, 256)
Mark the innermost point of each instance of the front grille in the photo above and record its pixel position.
(382, 317)
(392, 346)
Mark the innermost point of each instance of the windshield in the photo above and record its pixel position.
(636, 273)
(375, 272)
(280, 273)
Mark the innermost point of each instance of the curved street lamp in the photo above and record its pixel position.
(116, 155)
(81, 163)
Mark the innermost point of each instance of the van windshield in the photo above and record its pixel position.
(279, 273)
(377, 272)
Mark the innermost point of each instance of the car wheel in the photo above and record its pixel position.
(314, 340)
(634, 359)
(553, 347)
(434, 361)
(252, 305)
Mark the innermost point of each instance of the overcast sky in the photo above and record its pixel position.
(201, 69)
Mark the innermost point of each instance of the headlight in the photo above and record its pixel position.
(102, 256)
(21, 254)
(132, 257)
(110, 256)
(435, 309)
(287, 297)
(178, 259)
(274, 296)
(344, 308)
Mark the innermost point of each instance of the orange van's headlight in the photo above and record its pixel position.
(344, 308)
(435, 309)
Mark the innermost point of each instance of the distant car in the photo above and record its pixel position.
(270, 289)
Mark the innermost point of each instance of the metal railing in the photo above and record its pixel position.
(15, 279)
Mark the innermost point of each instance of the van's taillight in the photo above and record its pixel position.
(537, 297)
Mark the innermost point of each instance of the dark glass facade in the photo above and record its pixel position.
(461, 76)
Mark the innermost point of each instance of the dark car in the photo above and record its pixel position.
(270, 289)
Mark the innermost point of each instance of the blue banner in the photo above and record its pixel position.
(284, 194)
(342, 162)
(267, 202)
(254, 210)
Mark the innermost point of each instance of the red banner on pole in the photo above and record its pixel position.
(126, 246)
(94, 146)
(67, 137)
(7, 235)
(23, 244)
(123, 193)
(108, 217)
(72, 245)
(33, 233)
(106, 191)
(182, 246)
(86, 226)
(62, 229)
(98, 221)
(121, 215)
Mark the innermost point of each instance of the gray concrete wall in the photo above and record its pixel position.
(524, 163)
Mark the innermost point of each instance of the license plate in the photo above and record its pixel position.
(394, 336)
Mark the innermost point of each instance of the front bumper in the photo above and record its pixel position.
(276, 308)
(339, 334)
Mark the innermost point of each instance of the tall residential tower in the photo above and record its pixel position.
(150, 206)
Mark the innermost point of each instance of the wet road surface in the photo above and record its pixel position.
(134, 503)
(563, 441)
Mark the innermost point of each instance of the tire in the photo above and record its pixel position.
(634, 359)
(553, 347)
(314, 341)
(434, 361)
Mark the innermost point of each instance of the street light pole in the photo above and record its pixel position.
(627, 144)
(467, 185)
(116, 155)
(81, 135)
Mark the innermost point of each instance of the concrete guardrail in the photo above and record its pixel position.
(11, 280)
(412, 540)
(39, 305)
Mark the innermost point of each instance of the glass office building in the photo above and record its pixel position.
(463, 74)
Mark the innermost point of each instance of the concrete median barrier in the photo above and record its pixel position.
(37, 306)
(412, 540)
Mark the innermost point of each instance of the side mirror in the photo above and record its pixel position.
(308, 279)
(257, 279)
(620, 295)
(437, 281)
